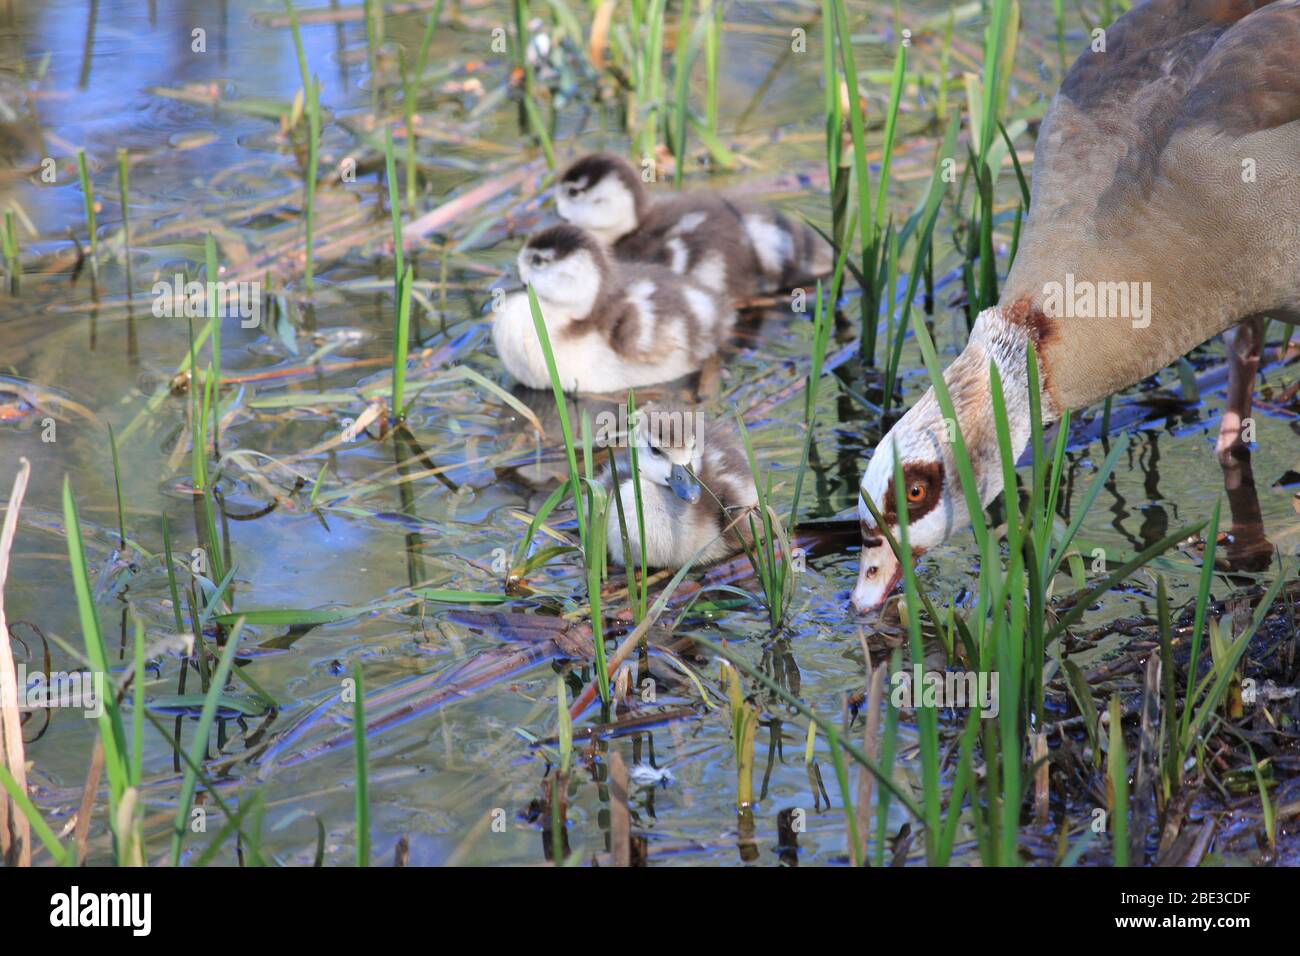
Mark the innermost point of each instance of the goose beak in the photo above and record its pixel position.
(684, 485)
(877, 575)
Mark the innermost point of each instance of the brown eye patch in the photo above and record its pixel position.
(922, 487)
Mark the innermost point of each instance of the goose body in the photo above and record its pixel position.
(737, 248)
(1165, 209)
(695, 480)
(612, 326)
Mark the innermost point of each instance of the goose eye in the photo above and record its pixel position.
(916, 492)
(537, 261)
(573, 192)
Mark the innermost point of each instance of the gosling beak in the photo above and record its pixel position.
(877, 575)
(684, 485)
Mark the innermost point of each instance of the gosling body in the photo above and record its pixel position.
(738, 248)
(695, 482)
(612, 326)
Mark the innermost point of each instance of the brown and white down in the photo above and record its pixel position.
(612, 325)
(695, 483)
(1172, 159)
(738, 248)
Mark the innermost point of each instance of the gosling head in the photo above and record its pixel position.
(919, 441)
(601, 193)
(566, 267)
(670, 449)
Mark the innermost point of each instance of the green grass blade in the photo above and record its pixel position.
(640, 509)
(23, 803)
(111, 731)
(88, 201)
(401, 344)
(539, 323)
(117, 489)
(137, 706)
(199, 745)
(214, 316)
(1198, 623)
(891, 125)
(360, 781)
(394, 210)
(927, 719)
(1117, 776)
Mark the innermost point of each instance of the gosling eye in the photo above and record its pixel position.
(573, 192)
(538, 261)
(916, 492)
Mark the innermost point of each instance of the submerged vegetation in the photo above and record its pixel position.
(338, 551)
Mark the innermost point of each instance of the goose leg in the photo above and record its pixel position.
(1245, 345)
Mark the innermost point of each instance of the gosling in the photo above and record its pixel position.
(736, 248)
(696, 485)
(612, 325)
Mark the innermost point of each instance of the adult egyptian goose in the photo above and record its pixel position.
(612, 325)
(734, 247)
(695, 483)
(1165, 210)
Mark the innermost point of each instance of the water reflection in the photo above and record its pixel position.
(1245, 543)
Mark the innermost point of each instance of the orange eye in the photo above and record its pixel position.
(915, 492)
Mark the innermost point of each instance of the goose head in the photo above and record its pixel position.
(601, 193)
(670, 449)
(923, 443)
(566, 268)
(919, 442)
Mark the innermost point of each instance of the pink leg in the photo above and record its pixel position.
(1245, 344)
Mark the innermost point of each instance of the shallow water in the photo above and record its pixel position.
(445, 772)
